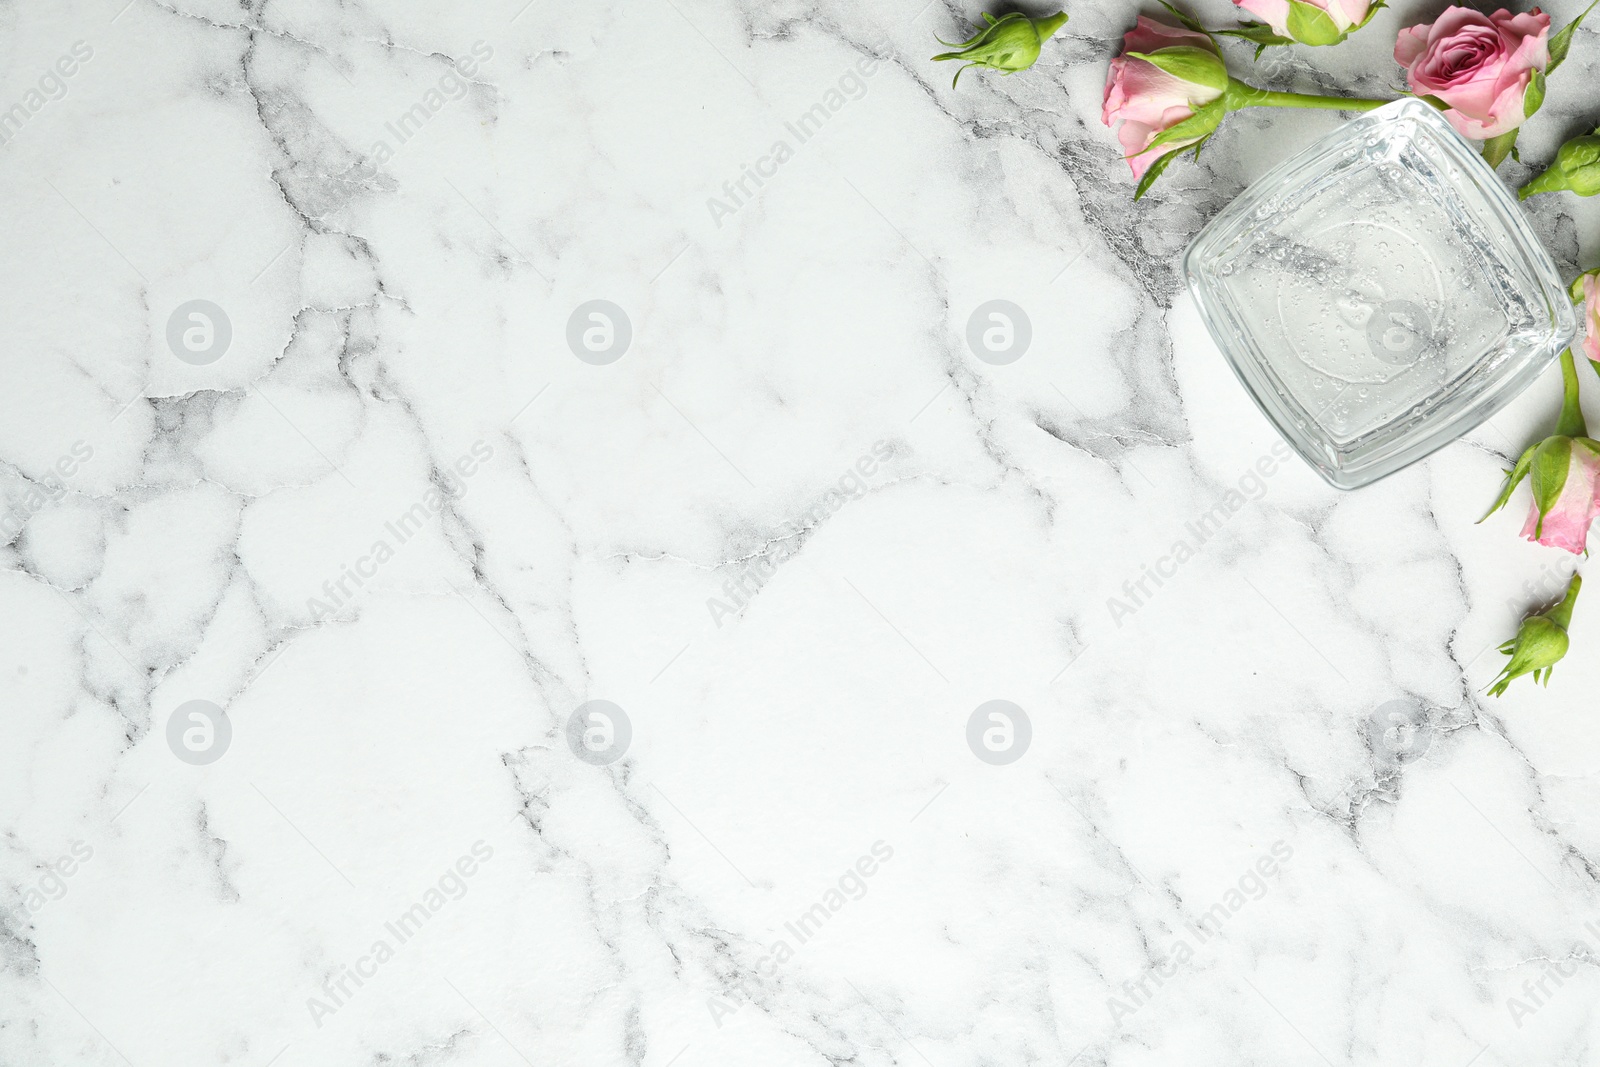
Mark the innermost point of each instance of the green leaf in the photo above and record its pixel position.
(1199, 124)
(1309, 24)
(1561, 42)
(961, 45)
(1551, 461)
(1188, 22)
(1198, 66)
(1535, 98)
(963, 70)
(1435, 102)
(983, 35)
(1371, 11)
(1560, 45)
(1519, 472)
(1153, 173)
(1571, 423)
(1259, 32)
(1496, 149)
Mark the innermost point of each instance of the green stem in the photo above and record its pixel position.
(1241, 95)
(1548, 181)
(1571, 424)
(1561, 614)
(1047, 26)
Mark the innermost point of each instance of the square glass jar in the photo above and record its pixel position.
(1379, 294)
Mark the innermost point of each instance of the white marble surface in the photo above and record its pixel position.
(398, 747)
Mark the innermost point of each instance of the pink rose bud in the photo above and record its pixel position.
(1488, 70)
(1309, 21)
(1564, 471)
(1164, 78)
(1565, 498)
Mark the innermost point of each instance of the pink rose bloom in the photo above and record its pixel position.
(1146, 98)
(1479, 65)
(1591, 317)
(1346, 14)
(1566, 524)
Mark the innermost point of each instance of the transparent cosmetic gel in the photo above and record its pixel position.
(1380, 294)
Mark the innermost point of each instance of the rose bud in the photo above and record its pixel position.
(1576, 168)
(1565, 471)
(1565, 474)
(1540, 643)
(1007, 44)
(1169, 90)
(1315, 22)
(1166, 89)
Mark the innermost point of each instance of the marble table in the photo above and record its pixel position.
(521, 548)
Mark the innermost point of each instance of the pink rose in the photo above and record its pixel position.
(1591, 317)
(1480, 65)
(1149, 100)
(1566, 524)
(1346, 14)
